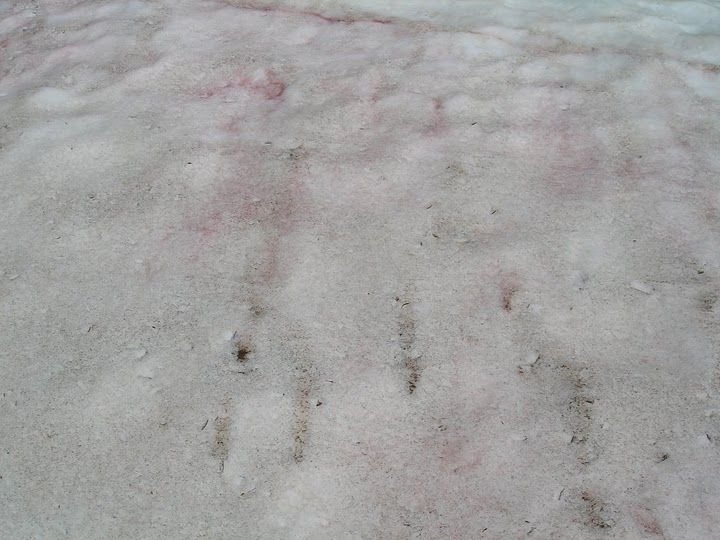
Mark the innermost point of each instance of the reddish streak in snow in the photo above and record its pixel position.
(507, 293)
(439, 123)
(248, 199)
(326, 18)
(646, 520)
(508, 287)
(266, 85)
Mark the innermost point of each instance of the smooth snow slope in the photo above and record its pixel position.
(359, 269)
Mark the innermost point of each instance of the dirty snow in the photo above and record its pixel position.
(359, 269)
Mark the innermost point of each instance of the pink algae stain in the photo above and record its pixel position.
(438, 121)
(242, 202)
(508, 287)
(459, 455)
(647, 521)
(273, 207)
(265, 84)
(286, 10)
(507, 294)
(569, 155)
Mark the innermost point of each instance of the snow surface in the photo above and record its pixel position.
(359, 269)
